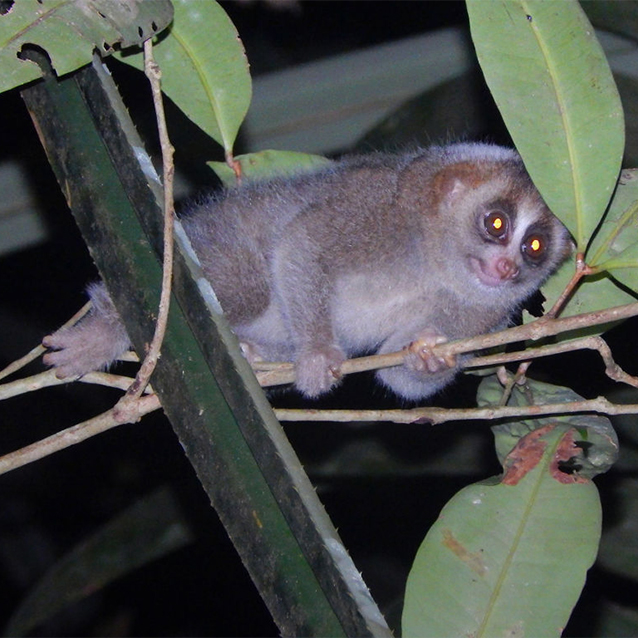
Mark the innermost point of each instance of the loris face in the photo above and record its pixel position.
(511, 243)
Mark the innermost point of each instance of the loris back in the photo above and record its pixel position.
(370, 254)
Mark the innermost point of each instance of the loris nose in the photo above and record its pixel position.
(506, 268)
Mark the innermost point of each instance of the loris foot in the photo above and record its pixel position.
(318, 371)
(420, 357)
(92, 344)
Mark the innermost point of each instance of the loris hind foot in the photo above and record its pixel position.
(318, 371)
(92, 344)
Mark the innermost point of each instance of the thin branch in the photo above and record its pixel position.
(517, 378)
(48, 379)
(543, 327)
(80, 432)
(581, 270)
(131, 410)
(435, 416)
(612, 369)
(153, 73)
(132, 406)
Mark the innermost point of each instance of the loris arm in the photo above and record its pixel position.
(304, 287)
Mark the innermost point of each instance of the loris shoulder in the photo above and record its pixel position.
(369, 254)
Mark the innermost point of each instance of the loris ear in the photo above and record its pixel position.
(420, 188)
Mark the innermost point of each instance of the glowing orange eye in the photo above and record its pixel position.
(496, 224)
(533, 247)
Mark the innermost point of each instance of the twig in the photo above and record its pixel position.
(80, 432)
(132, 406)
(517, 378)
(153, 73)
(48, 379)
(235, 165)
(533, 331)
(435, 416)
(581, 270)
(131, 410)
(612, 369)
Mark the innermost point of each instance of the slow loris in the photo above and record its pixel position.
(368, 254)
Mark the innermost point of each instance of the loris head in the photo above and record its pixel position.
(490, 217)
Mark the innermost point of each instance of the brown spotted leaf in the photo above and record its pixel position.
(497, 545)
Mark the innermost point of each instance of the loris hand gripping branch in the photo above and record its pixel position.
(369, 254)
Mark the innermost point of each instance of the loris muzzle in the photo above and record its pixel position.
(372, 253)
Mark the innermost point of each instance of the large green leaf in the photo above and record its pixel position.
(615, 247)
(552, 84)
(596, 292)
(204, 69)
(265, 164)
(70, 30)
(508, 558)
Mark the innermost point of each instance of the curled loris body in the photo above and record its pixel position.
(369, 254)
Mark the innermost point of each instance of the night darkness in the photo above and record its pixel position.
(382, 484)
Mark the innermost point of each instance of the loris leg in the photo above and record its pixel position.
(92, 344)
(317, 370)
(303, 290)
(422, 373)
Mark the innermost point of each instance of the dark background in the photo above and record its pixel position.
(383, 485)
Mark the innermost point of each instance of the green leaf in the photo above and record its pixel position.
(615, 246)
(596, 292)
(553, 287)
(551, 81)
(69, 32)
(149, 529)
(266, 164)
(594, 434)
(507, 558)
(204, 69)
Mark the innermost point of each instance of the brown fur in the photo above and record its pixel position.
(369, 254)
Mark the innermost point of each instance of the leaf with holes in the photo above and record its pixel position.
(508, 557)
(204, 69)
(596, 439)
(69, 32)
